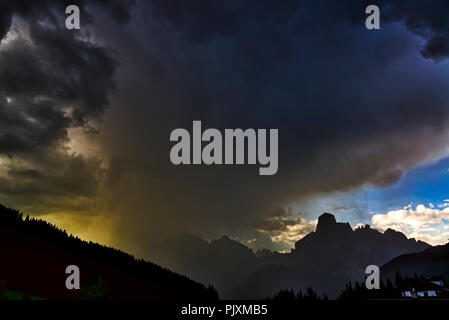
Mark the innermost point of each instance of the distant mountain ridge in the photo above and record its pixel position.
(328, 258)
(325, 259)
(432, 262)
(222, 262)
(35, 254)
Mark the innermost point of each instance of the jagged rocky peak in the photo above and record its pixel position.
(327, 224)
(395, 234)
(226, 242)
(365, 229)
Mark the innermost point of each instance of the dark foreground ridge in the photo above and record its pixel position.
(430, 262)
(35, 254)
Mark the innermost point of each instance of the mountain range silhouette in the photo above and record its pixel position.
(326, 260)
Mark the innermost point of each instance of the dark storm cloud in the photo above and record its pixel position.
(51, 80)
(427, 19)
(53, 10)
(48, 84)
(353, 107)
(75, 178)
(201, 20)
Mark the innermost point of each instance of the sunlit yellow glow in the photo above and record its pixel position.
(89, 228)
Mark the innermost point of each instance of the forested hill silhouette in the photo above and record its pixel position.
(35, 254)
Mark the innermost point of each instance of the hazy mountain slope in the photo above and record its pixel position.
(222, 262)
(433, 261)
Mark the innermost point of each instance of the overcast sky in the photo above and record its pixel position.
(86, 116)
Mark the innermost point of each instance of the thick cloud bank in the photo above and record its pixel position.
(353, 107)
